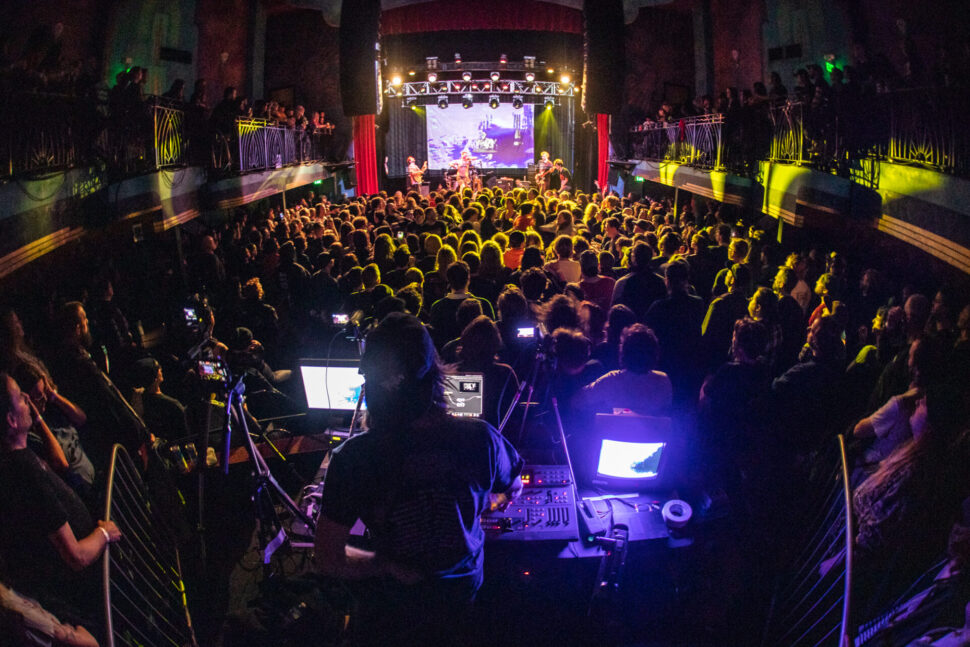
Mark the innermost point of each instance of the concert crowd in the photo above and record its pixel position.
(764, 351)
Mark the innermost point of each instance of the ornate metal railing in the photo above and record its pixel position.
(695, 141)
(787, 134)
(264, 146)
(40, 134)
(926, 128)
(171, 141)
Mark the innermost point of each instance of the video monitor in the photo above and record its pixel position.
(333, 385)
(627, 460)
(630, 452)
(496, 138)
(463, 394)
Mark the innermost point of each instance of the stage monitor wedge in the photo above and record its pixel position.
(360, 86)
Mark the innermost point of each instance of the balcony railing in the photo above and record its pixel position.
(262, 146)
(43, 133)
(918, 127)
(696, 141)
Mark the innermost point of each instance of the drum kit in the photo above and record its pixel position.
(453, 183)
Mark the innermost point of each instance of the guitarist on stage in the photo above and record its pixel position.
(543, 169)
(415, 173)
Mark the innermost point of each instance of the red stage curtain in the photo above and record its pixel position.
(445, 15)
(603, 139)
(365, 154)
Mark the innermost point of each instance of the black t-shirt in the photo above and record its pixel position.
(35, 502)
(165, 416)
(420, 491)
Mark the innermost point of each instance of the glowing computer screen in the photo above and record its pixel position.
(333, 387)
(629, 460)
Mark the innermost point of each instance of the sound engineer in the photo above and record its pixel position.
(419, 479)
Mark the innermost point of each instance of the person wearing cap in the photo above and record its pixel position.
(419, 480)
(164, 415)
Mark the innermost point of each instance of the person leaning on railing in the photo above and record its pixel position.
(47, 537)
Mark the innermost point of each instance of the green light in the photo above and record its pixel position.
(829, 66)
(637, 178)
(318, 182)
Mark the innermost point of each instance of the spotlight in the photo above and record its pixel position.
(529, 61)
(503, 59)
(396, 80)
(549, 103)
(443, 86)
(466, 101)
(550, 70)
(456, 87)
(466, 76)
(410, 72)
(432, 62)
(564, 79)
(432, 77)
(474, 87)
(410, 102)
(495, 76)
(517, 101)
(457, 58)
(493, 101)
(505, 87)
(530, 76)
(442, 102)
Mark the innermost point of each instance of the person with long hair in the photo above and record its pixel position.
(479, 345)
(420, 480)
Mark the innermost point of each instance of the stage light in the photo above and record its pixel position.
(517, 101)
(564, 79)
(410, 72)
(466, 76)
(432, 62)
(396, 80)
(493, 101)
(549, 103)
(530, 76)
(467, 101)
(550, 70)
(457, 58)
(503, 59)
(432, 77)
(442, 102)
(505, 87)
(474, 87)
(410, 102)
(456, 87)
(495, 76)
(529, 61)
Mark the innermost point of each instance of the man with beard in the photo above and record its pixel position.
(110, 418)
(419, 479)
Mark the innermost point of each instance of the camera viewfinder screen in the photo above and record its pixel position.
(463, 395)
(332, 387)
(626, 460)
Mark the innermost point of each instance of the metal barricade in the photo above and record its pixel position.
(811, 605)
(144, 595)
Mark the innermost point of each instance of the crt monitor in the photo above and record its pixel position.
(333, 385)
(463, 394)
(630, 452)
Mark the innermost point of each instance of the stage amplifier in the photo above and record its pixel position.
(545, 511)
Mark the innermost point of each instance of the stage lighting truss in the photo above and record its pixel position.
(505, 90)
